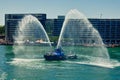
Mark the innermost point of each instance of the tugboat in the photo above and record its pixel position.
(57, 55)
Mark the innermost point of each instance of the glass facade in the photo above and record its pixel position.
(57, 26)
(109, 29)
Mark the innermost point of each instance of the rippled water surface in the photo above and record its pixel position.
(12, 68)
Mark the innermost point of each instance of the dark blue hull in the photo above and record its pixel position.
(59, 57)
(54, 57)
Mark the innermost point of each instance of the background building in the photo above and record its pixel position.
(109, 29)
(11, 22)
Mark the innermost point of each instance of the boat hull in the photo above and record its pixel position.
(54, 57)
(59, 57)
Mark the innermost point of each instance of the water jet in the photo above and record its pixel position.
(78, 36)
(29, 33)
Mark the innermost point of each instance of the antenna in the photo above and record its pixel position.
(101, 15)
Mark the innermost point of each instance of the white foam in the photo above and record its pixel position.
(27, 63)
(3, 76)
(40, 64)
(112, 64)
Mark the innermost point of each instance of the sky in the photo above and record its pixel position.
(53, 8)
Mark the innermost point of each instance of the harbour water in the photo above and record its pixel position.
(12, 68)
